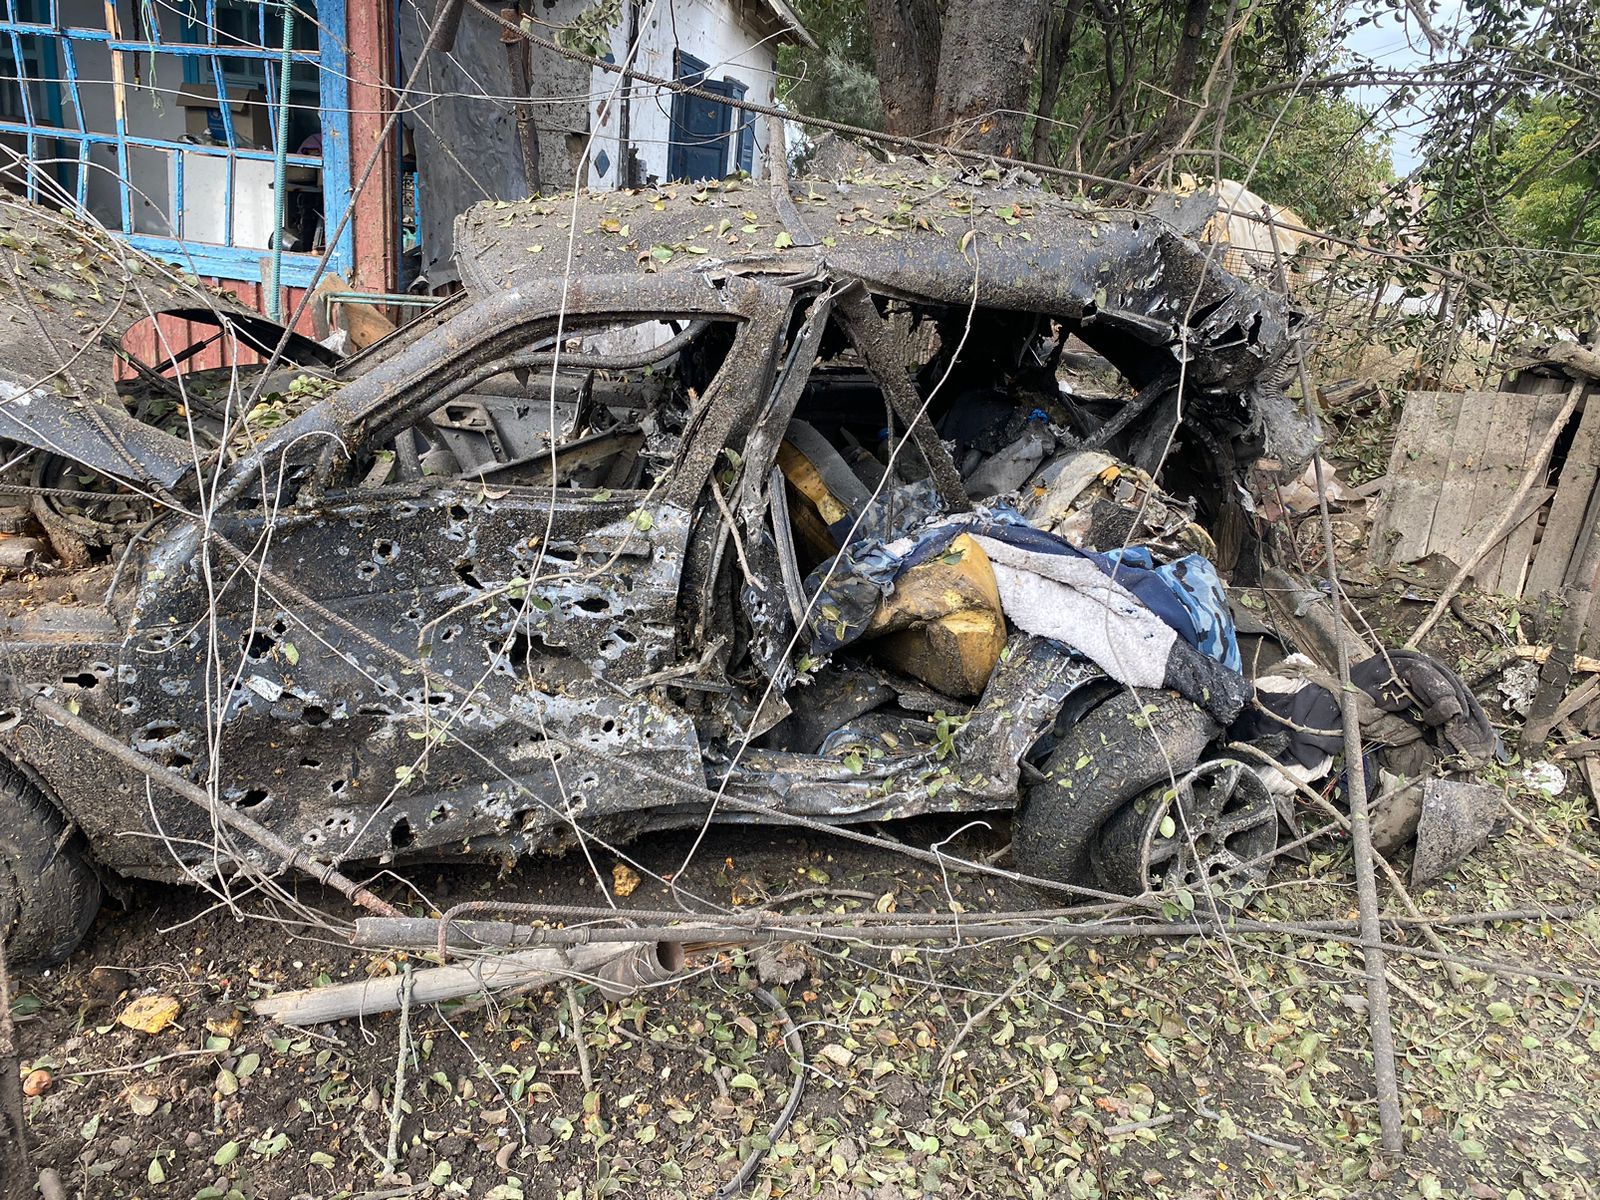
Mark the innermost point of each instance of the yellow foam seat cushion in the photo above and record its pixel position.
(943, 623)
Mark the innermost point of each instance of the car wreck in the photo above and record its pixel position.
(709, 502)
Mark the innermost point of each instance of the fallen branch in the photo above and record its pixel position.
(524, 968)
(392, 1155)
(575, 1011)
(138, 1066)
(1379, 1020)
(1538, 654)
(1566, 852)
(1287, 1147)
(13, 1126)
(1575, 359)
(797, 1051)
(1136, 1126)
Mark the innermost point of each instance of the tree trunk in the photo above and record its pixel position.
(905, 44)
(1180, 89)
(986, 65)
(1059, 27)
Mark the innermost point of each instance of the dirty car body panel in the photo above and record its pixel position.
(594, 628)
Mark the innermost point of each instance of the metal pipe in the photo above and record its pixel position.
(649, 965)
(18, 552)
(280, 172)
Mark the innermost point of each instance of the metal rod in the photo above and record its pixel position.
(280, 166)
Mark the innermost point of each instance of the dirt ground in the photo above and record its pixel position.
(1210, 1067)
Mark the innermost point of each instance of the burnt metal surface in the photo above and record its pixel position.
(408, 630)
(1150, 300)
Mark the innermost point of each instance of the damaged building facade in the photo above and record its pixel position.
(164, 124)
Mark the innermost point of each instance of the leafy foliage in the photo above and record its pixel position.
(1320, 159)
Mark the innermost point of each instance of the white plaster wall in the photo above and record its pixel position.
(713, 31)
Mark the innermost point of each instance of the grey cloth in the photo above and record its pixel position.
(1072, 601)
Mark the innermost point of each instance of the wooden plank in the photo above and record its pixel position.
(375, 223)
(1370, 488)
(1513, 434)
(1416, 471)
(1565, 523)
(1453, 515)
(1519, 545)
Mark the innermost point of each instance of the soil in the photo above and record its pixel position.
(1192, 1054)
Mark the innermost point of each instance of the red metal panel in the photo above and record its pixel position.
(175, 336)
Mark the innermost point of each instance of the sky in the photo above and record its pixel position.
(1394, 44)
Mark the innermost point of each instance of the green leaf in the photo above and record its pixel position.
(1169, 827)
(156, 1173)
(291, 653)
(321, 1158)
(783, 241)
(225, 1154)
(440, 1175)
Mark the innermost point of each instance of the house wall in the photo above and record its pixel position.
(718, 32)
(143, 342)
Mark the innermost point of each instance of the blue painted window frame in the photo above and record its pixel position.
(242, 263)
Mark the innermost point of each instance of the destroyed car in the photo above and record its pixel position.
(774, 508)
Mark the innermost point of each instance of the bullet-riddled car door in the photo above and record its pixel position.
(474, 661)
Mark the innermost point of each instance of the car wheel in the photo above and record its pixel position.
(49, 892)
(1113, 755)
(1213, 836)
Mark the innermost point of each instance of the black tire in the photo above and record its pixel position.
(49, 892)
(1116, 753)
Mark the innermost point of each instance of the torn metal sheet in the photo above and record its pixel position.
(100, 437)
(1457, 818)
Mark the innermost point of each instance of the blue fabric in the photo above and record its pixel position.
(1193, 582)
